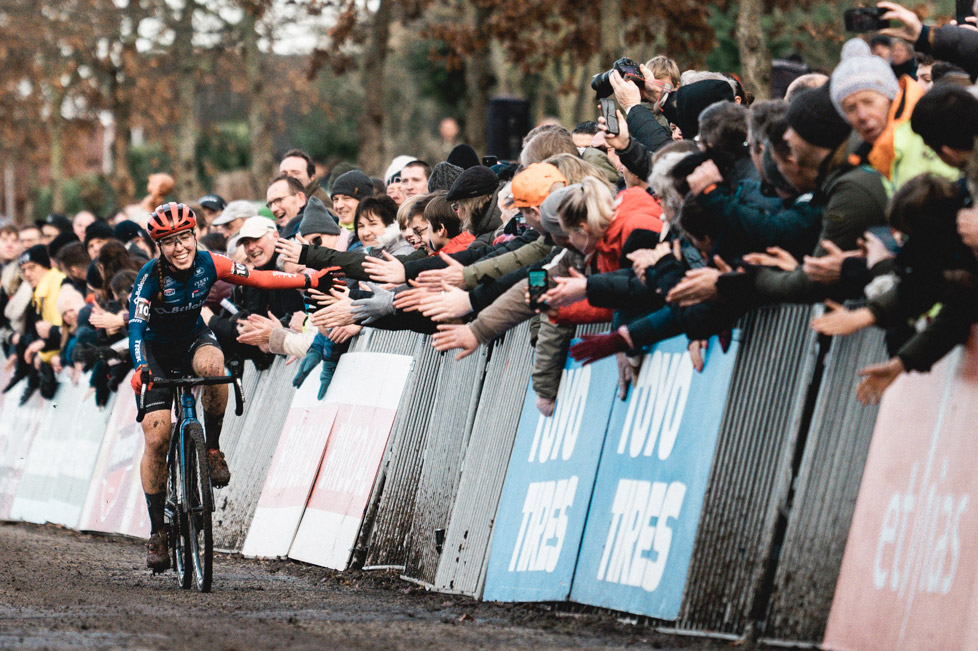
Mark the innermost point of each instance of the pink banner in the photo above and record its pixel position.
(908, 578)
(115, 501)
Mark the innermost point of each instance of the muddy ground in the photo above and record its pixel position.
(62, 589)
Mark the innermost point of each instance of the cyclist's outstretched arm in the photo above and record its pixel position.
(238, 274)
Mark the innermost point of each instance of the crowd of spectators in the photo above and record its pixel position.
(703, 206)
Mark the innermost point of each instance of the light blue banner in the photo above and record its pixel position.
(548, 486)
(651, 481)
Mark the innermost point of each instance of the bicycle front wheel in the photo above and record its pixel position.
(179, 540)
(199, 506)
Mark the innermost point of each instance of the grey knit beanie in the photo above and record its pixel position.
(443, 175)
(548, 211)
(856, 73)
(855, 47)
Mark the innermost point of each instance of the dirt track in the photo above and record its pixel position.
(62, 589)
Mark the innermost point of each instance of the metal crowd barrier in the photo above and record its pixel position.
(775, 517)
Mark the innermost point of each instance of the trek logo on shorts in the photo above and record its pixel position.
(238, 269)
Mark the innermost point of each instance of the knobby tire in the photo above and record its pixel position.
(200, 548)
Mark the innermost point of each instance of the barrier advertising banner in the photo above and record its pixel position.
(548, 486)
(649, 491)
(18, 428)
(366, 390)
(116, 502)
(47, 457)
(292, 473)
(909, 577)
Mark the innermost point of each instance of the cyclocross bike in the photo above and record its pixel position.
(189, 496)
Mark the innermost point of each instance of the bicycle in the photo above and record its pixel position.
(189, 495)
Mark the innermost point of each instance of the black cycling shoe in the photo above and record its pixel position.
(220, 474)
(158, 557)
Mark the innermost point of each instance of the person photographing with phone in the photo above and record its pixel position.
(167, 335)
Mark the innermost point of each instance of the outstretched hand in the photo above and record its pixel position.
(876, 379)
(451, 274)
(450, 337)
(569, 289)
(699, 285)
(388, 270)
(450, 303)
(840, 320)
(774, 256)
(827, 269)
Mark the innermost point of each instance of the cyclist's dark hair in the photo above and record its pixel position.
(295, 185)
(298, 153)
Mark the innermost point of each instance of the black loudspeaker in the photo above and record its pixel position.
(507, 121)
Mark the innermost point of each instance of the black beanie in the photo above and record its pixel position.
(463, 156)
(690, 101)
(37, 253)
(812, 116)
(60, 240)
(476, 181)
(61, 222)
(127, 230)
(443, 175)
(353, 184)
(99, 229)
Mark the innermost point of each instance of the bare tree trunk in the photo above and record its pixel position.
(187, 129)
(373, 157)
(121, 99)
(612, 35)
(56, 132)
(478, 82)
(755, 60)
(262, 143)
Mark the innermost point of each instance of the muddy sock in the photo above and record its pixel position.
(213, 423)
(155, 502)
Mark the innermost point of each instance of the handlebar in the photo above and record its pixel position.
(234, 378)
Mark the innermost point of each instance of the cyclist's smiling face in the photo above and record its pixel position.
(180, 249)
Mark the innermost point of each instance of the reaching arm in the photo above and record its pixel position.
(238, 274)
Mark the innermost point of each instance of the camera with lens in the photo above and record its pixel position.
(629, 71)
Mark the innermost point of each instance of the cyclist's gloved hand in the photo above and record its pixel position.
(140, 377)
(323, 279)
(367, 310)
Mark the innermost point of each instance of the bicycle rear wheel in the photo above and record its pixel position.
(199, 506)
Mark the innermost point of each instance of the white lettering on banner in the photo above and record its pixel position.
(544, 525)
(657, 405)
(930, 549)
(640, 523)
(559, 431)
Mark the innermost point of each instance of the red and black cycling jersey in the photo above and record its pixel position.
(171, 313)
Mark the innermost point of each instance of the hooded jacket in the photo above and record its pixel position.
(636, 209)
